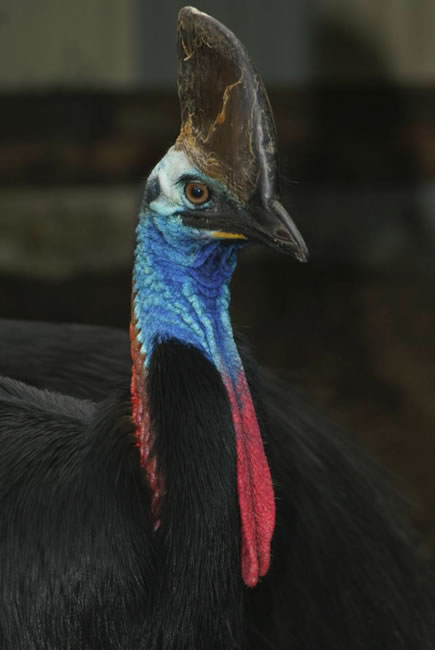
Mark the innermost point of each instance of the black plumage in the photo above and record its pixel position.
(81, 565)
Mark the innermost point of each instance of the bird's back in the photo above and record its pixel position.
(75, 536)
(84, 361)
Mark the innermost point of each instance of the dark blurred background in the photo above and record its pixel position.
(88, 105)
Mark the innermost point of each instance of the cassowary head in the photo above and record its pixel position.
(221, 177)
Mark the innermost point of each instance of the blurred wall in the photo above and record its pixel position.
(64, 44)
(130, 43)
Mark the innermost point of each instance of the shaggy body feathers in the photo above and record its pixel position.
(82, 567)
(85, 570)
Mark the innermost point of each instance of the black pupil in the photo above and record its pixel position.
(197, 192)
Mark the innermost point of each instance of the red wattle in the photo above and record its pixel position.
(141, 418)
(254, 484)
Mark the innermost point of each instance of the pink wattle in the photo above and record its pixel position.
(254, 484)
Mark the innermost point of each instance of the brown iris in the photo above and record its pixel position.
(197, 193)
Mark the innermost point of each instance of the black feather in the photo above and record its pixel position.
(82, 567)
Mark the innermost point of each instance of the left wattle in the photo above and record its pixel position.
(141, 419)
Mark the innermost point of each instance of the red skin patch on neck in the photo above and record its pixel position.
(141, 418)
(254, 485)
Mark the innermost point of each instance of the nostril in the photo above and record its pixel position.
(282, 234)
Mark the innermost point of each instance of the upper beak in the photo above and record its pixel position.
(275, 227)
(271, 225)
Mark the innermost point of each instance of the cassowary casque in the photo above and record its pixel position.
(163, 492)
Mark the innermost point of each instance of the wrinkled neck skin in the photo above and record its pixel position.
(181, 291)
(181, 286)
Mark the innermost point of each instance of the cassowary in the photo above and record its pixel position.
(192, 502)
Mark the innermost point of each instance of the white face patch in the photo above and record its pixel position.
(168, 171)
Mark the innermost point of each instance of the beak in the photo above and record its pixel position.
(275, 227)
(271, 225)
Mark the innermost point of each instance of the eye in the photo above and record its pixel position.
(197, 193)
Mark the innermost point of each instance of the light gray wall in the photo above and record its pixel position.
(67, 43)
(131, 43)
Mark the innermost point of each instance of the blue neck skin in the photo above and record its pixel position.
(181, 284)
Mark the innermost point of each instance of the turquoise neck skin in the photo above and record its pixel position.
(181, 285)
